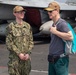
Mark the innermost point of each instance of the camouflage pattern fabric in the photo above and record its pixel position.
(19, 39)
(19, 67)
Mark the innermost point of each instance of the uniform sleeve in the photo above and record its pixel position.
(31, 43)
(9, 41)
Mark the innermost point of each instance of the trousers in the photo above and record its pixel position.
(60, 67)
(19, 67)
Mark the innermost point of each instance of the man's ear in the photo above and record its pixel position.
(14, 14)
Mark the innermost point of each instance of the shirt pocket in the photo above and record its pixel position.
(25, 32)
(16, 32)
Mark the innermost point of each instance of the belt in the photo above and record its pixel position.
(63, 55)
(54, 59)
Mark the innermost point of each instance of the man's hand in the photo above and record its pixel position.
(27, 56)
(22, 56)
(53, 30)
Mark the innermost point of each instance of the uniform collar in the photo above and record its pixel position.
(18, 25)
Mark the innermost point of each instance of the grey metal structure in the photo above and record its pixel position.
(67, 11)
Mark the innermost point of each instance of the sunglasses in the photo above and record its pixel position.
(51, 11)
(20, 12)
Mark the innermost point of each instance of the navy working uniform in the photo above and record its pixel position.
(19, 42)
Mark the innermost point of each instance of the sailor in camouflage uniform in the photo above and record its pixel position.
(19, 42)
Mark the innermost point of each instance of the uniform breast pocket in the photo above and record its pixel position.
(16, 33)
(25, 32)
(20, 32)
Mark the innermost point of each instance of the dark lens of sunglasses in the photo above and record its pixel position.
(20, 12)
(50, 11)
